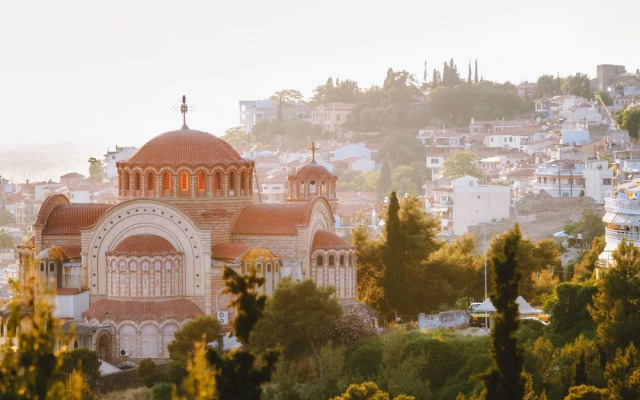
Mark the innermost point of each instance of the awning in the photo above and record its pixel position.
(621, 219)
(523, 307)
(606, 253)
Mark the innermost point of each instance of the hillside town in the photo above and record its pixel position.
(139, 244)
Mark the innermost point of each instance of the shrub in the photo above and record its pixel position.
(162, 391)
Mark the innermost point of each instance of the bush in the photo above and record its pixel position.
(363, 361)
(87, 359)
(162, 391)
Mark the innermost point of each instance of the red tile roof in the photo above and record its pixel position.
(73, 250)
(313, 171)
(117, 310)
(327, 240)
(185, 147)
(144, 244)
(70, 218)
(48, 205)
(272, 219)
(229, 251)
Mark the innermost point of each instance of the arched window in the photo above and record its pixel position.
(259, 268)
(319, 261)
(127, 182)
(151, 182)
(313, 188)
(232, 182)
(342, 260)
(41, 267)
(269, 268)
(166, 181)
(218, 181)
(243, 183)
(332, 261)
(136, 181)
(350, 260)
(184, 181)
(200, 180)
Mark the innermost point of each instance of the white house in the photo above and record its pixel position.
(598, 179)
(112, 157)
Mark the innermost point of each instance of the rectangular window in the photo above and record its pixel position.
(606, 181)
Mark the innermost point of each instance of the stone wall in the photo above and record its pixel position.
(446, 319)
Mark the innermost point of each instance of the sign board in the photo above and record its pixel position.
(223, 317)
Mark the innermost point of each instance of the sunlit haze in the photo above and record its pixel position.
(88, 76)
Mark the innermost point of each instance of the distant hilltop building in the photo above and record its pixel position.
(607, 75)
(130, 274)
(252, 112)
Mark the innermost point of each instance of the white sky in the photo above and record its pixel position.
(99, 74)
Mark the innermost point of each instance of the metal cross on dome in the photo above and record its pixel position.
(313, 149)
(184, 109)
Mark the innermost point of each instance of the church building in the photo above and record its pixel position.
(133, 273)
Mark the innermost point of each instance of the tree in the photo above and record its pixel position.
(606, 98)
(475, 75)
(578, 85)
(300, 316)
(384, 184)
(284, 98)
(547, 86)
(504, 379)
(181, 347)
(469, 77)
(615, 306)
(395, 280)
(629, 119)
(436, 79)
(570, 312)
(623, 374)
(586, 392)
(6, 217)
(6, 240)
(590, 225)
(236, 136)
(583, 270)
(368, 391)
(84, 360)
(462, 163)
(96, 170)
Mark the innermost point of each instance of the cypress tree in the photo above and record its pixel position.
(475, 78)
(445, 74)
(504, 379)
(469, 77)
(395, 275)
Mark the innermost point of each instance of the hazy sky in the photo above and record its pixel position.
(98, 74)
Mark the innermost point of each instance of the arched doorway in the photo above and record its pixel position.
(104, 347)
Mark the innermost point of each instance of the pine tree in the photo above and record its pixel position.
(445, 74)
(395, 274)
(436, 80)
(504, 379)
(469, 77)
(475, 76)
(384, 183)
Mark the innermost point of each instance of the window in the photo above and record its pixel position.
(337, 117)
(313, 189)
(232, 182)
(166, 181)
(126, 181)
(243, 178)
(491, 139)
(269, 268)
(136, 181)
(218, 181)
(319, 261)
(113, 157)
(342, 260)
(510, 139)
(332, 261)
(151, 184)
(259, 268)
(200, 180)
(184, 181)
(41, 267)
(606, 181)
(52, 267)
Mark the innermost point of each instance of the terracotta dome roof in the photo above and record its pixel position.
(185, 147)
(314, 171)
(144, 244)
(327, 240)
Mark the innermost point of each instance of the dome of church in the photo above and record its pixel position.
(185, 147)
(144, 244)
(314, 172)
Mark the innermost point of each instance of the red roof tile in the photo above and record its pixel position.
(185, 147)
(73, 250)
(144, 244)
(271, 219)
(48, 205)
(313, 171)
(229, 251)
(327, 240)
(117, 310)
(70, 218)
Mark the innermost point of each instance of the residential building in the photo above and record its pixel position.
(598, 179)
(622, 219)
(331, 116)
(463, 202)
(560, 178)
(443, 141)
(116, 156)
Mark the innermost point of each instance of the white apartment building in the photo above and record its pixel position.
(462, 202)
(622, 219)
(572, 178)
(112, 157)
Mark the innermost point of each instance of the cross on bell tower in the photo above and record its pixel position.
(184, 109)
(313, 149)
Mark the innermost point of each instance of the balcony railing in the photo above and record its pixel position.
(617, 205)
(617, 235)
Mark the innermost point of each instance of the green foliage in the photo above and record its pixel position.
(504, 380)
(353, 325)
(547, 86)
(569, 310)
(590, 225)
(149, 373)
(96, 170)
(606, 98)
(202, 327)
(236, 136)
(346, 91)
(462, 163)
(578, 85)
(285, 98)
(583, 270)
(363, 361)
(368, 391)
(384, 184)
(6, 217)
(629, 119)
(623, 374)
(615, 306)
(162, 391)
(300, 316)
(395, 280)
(291, 135)
(82, 359)
(585, 392)
(6, 240)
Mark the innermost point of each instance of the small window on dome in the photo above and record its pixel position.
(200, 180)
(184, 181)
(243, 183)
(137, 181)
(166, 181)
(313, 188)
(151, 184)
(218, 181)
(269, 268)
(332, 260)
(259, 268)
(319, 261)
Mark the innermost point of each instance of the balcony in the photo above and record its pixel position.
(622, 206)
(616, 236)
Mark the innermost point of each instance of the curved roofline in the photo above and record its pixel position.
(312, 202)
(47, 206)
